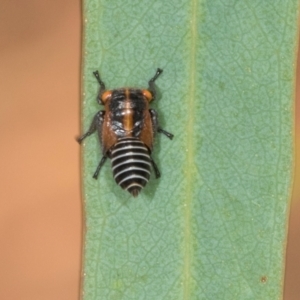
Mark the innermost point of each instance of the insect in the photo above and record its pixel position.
(126, 129)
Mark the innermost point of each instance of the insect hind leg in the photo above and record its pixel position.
(155, 168)
(101, 163)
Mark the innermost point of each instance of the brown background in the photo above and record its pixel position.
(40, 212)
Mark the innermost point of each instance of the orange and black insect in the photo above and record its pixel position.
(126, 129)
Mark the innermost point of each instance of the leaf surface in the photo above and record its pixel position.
(214, 225)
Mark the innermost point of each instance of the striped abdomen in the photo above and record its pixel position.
(131, 164)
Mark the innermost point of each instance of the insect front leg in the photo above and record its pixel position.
(96, 124)
(156, 126)
(152, 88)
(102, 86)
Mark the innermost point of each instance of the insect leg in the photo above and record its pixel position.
(156, 126)
(151, 82)
(96, 123)
(155, 168)
(101, 163)
(102, 86)
(166, 133)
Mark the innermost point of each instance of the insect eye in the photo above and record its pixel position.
(148, 95)
(106, 96)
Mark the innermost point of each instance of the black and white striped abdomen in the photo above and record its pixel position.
(131, 164)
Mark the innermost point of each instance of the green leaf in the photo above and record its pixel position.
(214, 225)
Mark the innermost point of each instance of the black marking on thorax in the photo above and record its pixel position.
(127, 108)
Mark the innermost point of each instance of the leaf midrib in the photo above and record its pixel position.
(189, 167)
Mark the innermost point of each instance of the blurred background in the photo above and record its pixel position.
(40, 208)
